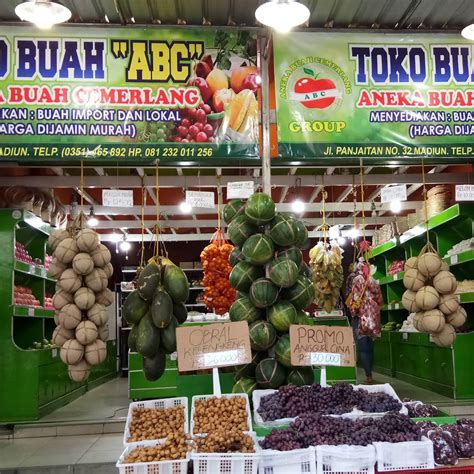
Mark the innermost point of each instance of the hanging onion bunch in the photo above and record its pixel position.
(81, 265)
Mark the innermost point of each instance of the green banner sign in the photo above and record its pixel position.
(374, 95)
(128, 94)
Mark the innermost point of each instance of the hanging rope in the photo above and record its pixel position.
(219, 203)
(142, 248)
(425, 198)
(362, 195)
(324, 227)
(81, 186)
(157, 225)
(354, 202)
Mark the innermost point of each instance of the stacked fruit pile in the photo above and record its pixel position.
(327, 273)
(431, 295)
(219, 295)
(22, 254)
(23, 296)
(82, 266)
(155, 309)
(273, 285)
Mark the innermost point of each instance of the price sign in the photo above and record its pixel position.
(394, 193)
(54, 353)
(31, 269)
(31, 311)
(202, 199)
(321, 345)
(213, 345)
(464, 192)
(454, 259)
(44, 273)
(240, 189)
(117, 197)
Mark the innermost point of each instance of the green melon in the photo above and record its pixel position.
(180, 312)
(240, 229)
(245, 385)
(243, 275)
(258, 249)
(270, 374)
(176, 283)
(248, 370)
(168, 337)
(282, 231)
(154, 367)
(149, 281)
(236, 256)
(283, 273)
(300, 376)
(132, 338)
(282, 315)
(283, 350)
(301, 294)
(263, 293)
(262, 335)
(148, 337)
(305, 270)
(260, 208)
(301, 234)
(134, 307)
(243, 310)
(291, 253)
(233, 209)
(161, 309)
(302, 318)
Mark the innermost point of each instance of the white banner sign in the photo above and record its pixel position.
(325, 358)
(464, 192)
(394, 193)
(203, 199)
(240, 189)
(117, 197)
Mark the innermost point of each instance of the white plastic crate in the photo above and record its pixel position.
(345, 459)
(159, 404)
(298, 461)
(408, 455)
(156, 467)
(224, 395)
(225, 463)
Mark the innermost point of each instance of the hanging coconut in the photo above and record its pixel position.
(71, 352)
(413, 280)
(57, 237)
(69, 281)
(445, 282)
(95, 353)
(56, 268)
(432, 321)
(444, 266)
(56, 318)
(66, 250)
(86, 332)
(417, 319)
(103, 332)
(70, 316)
(409, 301)
(82, 263)
(429, 264)
(61, 298)
(448, 303)
(96, 280)
(109, 270)
(101, 256)
(412, 262)
(458, 318)
(87, 240)
(105, 297)
(445, 337)
(98, 315)
(79, 372)
(84, 298)
(61, 335)
(427, 298)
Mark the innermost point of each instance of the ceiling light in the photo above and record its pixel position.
(282, 15)
(353, 233)
(92, 221)
(395, 206)
(185, 207)
(125, 246)
(468, 32)
(341, 241)
(43, 13)
(115, 237)
(298, 206)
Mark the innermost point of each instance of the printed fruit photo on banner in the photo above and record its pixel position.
(272, 280)
(218, 293)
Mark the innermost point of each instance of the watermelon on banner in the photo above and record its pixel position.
(258, 249)
(248, 370)
(262, 335)
(291, 253)
(260, 208)
(233, 209)
(240, 229)
(134, 307)
(283, 350)
(243, 310)
(282, 230)
(301, 234)
(270, 374)
(245, 385)
(300, 376)
(282, 315)
(301, 294)
(243, 275)
(283, 273)
(263, 293)
(149, 281)
(236, 256)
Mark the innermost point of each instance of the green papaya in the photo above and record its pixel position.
(175, 283)
(148, 337)
(134, 307)
(180, 312)
(168, 336)
(154, 367)
(132, 338)
(149, 281)
(161, 309)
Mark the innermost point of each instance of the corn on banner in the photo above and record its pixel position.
(128, 94)
(343, 95)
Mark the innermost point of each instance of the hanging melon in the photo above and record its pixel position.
(263, 293)
(260, 208)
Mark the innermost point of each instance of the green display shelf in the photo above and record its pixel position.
(466, 298)
(29, 312)
(32, 270)
(391, 278)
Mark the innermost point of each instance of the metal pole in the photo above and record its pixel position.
(266, 165)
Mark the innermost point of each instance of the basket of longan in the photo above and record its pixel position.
(154, 420)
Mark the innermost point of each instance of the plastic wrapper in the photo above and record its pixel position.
(463, 438)
(421, 410)
(443, 447)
